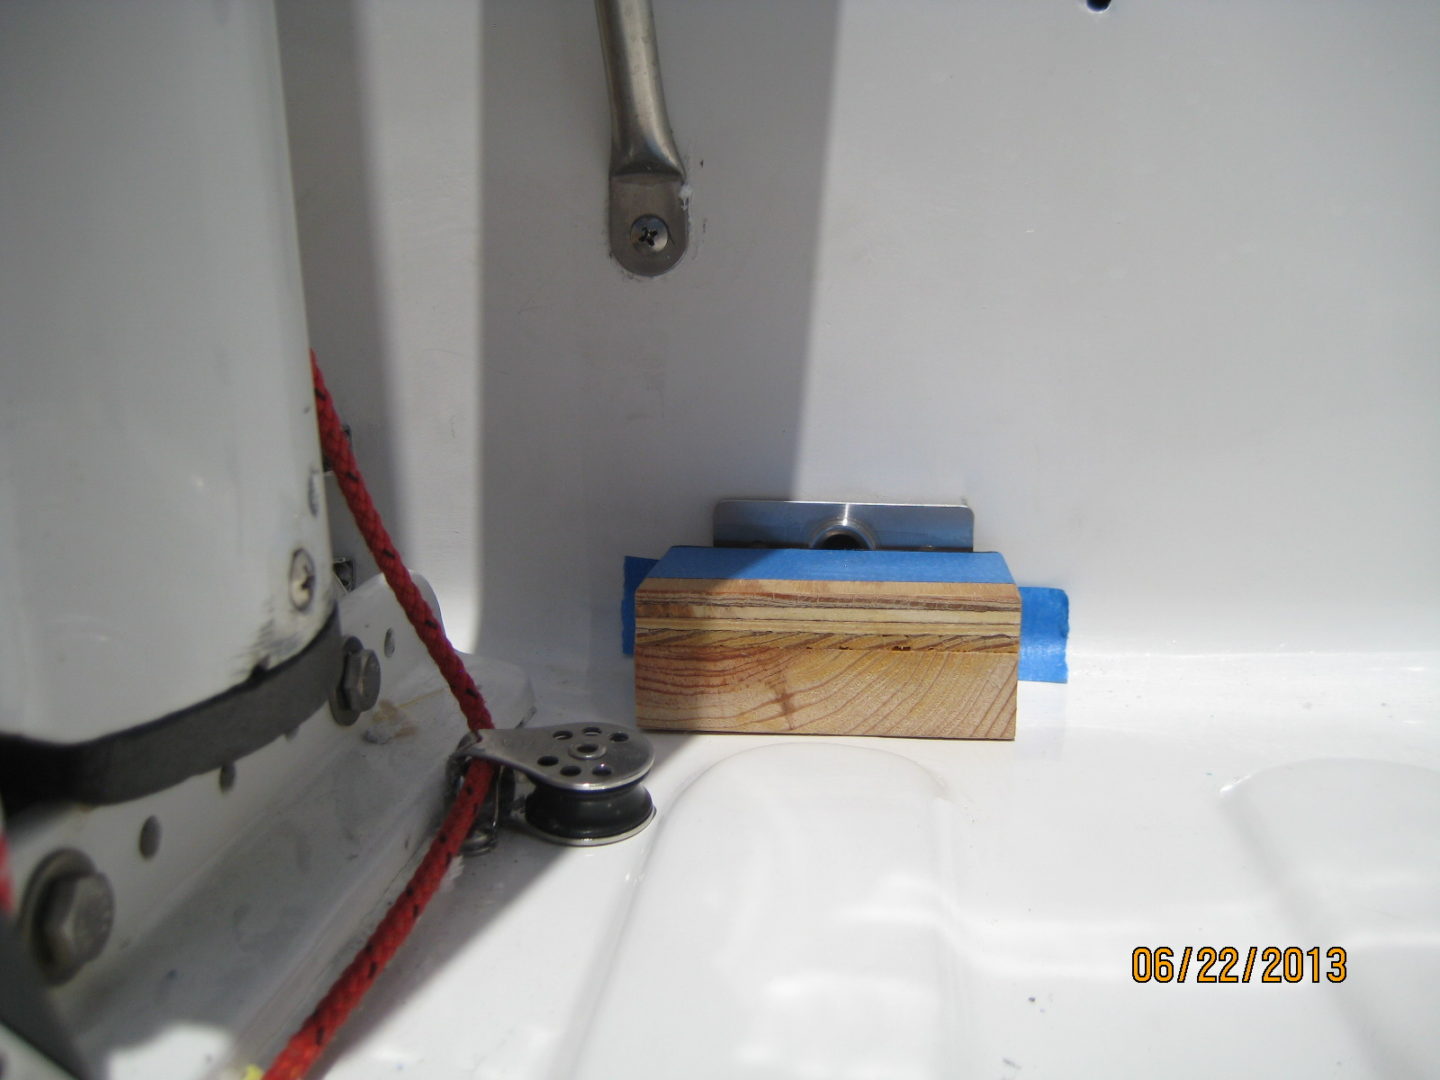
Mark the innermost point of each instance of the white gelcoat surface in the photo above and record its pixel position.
(1154, 289)
(157, 432)
(384, 118)
(992, 892)
(806, 917)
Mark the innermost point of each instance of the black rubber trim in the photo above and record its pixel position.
(153, 756)
(25, 1006)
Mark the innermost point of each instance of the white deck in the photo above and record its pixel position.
(852, 908)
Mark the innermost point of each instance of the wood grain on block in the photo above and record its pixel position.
(932, 659)
(953, 611)
(818, 692)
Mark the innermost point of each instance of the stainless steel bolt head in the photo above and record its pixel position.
(76, 917)
(361, 680)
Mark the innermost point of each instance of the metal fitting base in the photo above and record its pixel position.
(586, 780)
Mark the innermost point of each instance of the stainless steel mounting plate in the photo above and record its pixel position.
(866, 526)
(592, 757)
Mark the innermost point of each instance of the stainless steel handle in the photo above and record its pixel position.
(649, 229)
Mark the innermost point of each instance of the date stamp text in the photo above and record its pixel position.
(1229, 964)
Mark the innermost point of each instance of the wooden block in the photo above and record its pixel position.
(822, 654)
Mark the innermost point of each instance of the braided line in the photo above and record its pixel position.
(340, 1000)
(336, 447)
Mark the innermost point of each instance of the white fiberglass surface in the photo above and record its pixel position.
(1352, 846)
(804, 887)
(1153, 289)
(855, 908)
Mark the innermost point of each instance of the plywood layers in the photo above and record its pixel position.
(824, 657)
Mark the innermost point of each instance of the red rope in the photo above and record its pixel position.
(317, 1031)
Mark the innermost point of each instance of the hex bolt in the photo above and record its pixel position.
(649, 234)
(360, 680)
(76, 914)
(302, 580)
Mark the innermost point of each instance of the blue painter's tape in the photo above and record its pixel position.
(1044, 628)
(804, 564)
(636, 570)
